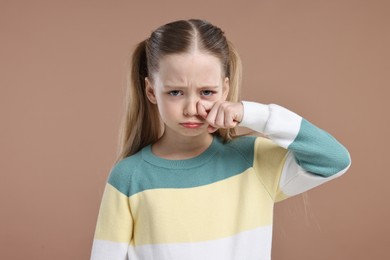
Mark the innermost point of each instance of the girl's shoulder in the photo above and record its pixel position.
(122, 171)
(241, 146)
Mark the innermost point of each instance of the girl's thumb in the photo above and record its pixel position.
(203, 108)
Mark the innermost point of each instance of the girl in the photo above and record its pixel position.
(185, 186)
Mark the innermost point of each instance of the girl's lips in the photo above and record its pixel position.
(191, 125)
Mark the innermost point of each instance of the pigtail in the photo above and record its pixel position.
(234, 72)
(140, 125)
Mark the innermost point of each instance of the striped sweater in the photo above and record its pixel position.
(218, 205)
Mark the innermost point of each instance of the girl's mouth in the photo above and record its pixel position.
(191, 125)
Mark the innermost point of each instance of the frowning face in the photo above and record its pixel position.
(184, 82)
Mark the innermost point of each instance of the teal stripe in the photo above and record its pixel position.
(318, 152)
(139, 172)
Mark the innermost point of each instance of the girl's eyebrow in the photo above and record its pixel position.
(185, 87)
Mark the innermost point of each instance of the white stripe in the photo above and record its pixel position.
(276, 122)
(104, 250)
(255, 116)
(295, 179)
(283, 125)
(248, 245)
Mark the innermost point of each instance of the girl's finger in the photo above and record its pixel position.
(229, 119)
(202, 110)
(233, 115)
(220, 117)
(211, 115)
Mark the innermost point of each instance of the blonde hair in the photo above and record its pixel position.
(141, 125)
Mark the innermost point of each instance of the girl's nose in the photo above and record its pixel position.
(190, 109)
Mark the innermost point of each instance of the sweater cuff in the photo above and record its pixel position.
(255, 116)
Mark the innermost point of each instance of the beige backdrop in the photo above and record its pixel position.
(62, 83)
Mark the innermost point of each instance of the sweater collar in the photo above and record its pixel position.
(196, 161)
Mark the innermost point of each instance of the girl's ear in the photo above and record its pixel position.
(226, 86)
(150, 91)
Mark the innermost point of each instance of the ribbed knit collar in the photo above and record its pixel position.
(197, 161)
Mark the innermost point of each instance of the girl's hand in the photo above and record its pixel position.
(222, 114)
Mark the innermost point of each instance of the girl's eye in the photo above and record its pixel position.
(207, 92)
(175, 93)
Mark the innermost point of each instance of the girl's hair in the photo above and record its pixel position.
(141, 123)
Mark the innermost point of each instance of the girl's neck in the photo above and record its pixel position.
(181, 148)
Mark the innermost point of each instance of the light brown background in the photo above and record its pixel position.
(62, 82)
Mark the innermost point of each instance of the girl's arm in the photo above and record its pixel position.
(299, 156)
(114, 226)
(313, 156)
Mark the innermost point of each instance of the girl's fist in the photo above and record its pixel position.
(222, 114)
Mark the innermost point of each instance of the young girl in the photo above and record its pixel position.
(185, 186)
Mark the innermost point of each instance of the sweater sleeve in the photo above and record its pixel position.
(312, 155)
(114, 226)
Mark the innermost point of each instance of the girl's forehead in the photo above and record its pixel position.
(195, 66)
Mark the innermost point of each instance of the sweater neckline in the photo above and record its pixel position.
(196, 161)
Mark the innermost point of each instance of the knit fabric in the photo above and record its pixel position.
(218, 205)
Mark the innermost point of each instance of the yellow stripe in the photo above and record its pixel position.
(202, 213)
(114, 221)
(268, 163)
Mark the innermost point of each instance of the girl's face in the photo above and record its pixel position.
(184, 82)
